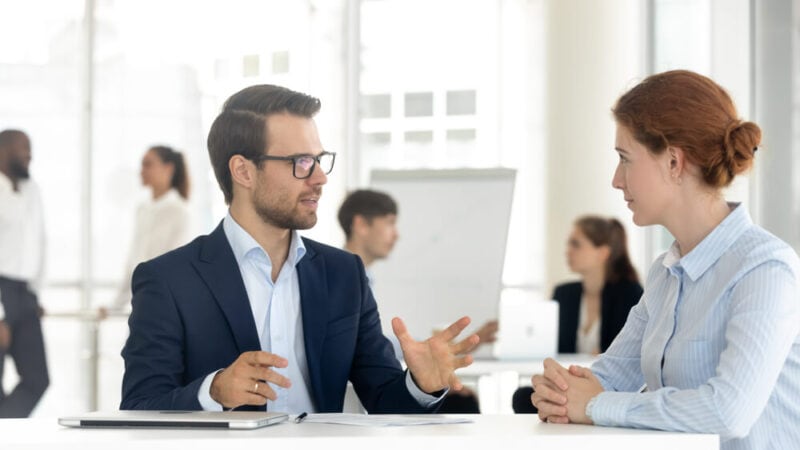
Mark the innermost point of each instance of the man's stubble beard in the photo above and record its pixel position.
(281, 217)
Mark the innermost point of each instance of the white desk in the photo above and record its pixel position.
(497, 380)
(487, 432)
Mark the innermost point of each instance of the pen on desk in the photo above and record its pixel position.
(301, 417)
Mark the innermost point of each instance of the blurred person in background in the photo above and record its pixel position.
(369, 221)
(22, 247)
(163, 222)
(593, 310)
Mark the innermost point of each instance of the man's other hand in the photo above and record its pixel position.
(245, 382)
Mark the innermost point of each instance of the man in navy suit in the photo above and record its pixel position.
(253, 314)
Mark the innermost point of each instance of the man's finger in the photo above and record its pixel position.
(466, 345)
(266, 374)
(462, 361)
(266, 391)
(454, 329)
(254, 399)
(265, 359)
(400, 330)
(455, 383)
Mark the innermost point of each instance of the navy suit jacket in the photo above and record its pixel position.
(617, 300)
(191, 317)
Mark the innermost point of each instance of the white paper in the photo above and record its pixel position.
(382, 420)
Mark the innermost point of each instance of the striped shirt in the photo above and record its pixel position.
(715, 340)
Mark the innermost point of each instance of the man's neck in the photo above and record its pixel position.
(359, 250)
(275, 241)
(14, 180)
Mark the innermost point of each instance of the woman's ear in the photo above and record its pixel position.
(677, 163)
(605, 251)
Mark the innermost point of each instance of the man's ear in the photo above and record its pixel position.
(242, 171)
(360, 224)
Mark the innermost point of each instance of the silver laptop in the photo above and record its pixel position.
(528, 329)
(241, 420)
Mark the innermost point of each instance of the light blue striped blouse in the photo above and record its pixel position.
(715, 339)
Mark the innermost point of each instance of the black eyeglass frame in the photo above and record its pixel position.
(294, 158)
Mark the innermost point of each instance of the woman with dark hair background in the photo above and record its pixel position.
(594, 309)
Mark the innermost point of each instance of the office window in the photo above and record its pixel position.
(460, 103)
(376, 106)
(375, 140)
(250, 65)
(40, 91)
(467, 135)
(712, 38)
(419, 104)
(434, 78)
(419, 137)
(280, 62)
(149, 87)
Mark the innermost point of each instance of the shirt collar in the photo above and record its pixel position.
(243, 244)
(711, 248)
(5, 183)
(169, 196)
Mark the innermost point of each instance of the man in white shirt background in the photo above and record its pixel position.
(21, 263)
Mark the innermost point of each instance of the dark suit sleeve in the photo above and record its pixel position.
(376, 374)
(153, 353)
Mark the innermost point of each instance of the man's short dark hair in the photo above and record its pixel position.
(8, 136)
(241, 127)
(366, 203)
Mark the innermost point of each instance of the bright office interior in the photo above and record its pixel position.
(521, 84)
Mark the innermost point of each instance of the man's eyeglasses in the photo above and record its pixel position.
(303, 165)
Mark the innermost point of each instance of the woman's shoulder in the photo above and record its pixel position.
(756, 250)
(566, 291)
(628, 291)
(625, 285)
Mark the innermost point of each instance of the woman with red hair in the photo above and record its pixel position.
(713, 345)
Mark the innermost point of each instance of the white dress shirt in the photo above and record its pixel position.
(278, 319)
(161, 225)
(715, 339)
(22, 241)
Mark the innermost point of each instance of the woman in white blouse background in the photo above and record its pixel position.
(163, 222)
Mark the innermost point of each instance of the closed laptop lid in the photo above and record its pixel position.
(528, 329)
(175, 419)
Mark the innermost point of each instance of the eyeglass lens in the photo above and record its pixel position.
(305, 164)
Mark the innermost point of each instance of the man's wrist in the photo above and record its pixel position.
(438, 393)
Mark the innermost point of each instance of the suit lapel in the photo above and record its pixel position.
(314, 306)
(219, 270)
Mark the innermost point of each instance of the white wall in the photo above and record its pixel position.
(595, 53)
